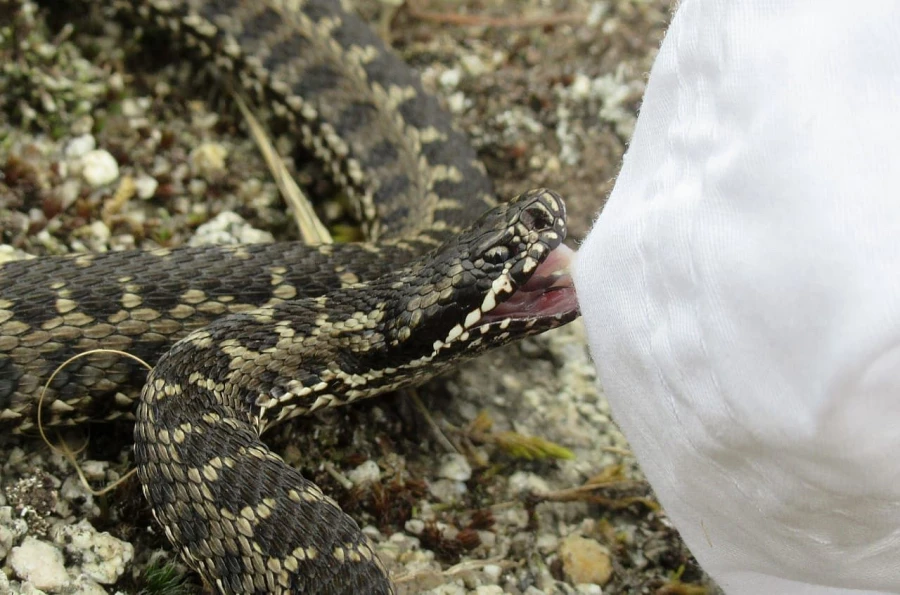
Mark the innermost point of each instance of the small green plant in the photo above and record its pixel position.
(166, 579)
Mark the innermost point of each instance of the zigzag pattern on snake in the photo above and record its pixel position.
(244, 337)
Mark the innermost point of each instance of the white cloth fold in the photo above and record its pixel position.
(741, 291)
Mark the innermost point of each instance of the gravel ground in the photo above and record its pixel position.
(104, 144)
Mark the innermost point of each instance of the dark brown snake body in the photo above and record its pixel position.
(245, 336)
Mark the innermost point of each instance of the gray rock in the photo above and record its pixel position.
(83, 585)
(103, 558)
(12, 528)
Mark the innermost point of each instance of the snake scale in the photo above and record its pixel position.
(243, 337)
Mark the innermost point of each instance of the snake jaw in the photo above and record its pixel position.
(544, 301)
(548, 293)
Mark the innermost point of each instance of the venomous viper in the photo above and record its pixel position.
(244, 337)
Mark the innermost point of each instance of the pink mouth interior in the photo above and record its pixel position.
(548, 293)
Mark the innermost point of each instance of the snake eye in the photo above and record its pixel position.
(536, 218)
(497, 255)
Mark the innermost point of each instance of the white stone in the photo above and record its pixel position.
(99, 168)
(80, 146)
(522, 482)
(455, 466)
(580, 87)
(229, 228)
(546, 543)
(40, 563)
(367, 472)
(132, 108)
(447, 490)
(145, 186)
(457, 102)
(414, 526)
(99, 232)
(449, 79)
(492, 572)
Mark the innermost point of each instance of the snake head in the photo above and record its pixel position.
(501, 279)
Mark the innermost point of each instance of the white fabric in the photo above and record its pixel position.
(741, 291)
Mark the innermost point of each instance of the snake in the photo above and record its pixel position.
(243, 337)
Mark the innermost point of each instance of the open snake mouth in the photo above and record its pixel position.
(546, 300)
(548, 293)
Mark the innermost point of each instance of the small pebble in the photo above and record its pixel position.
(68, 193)
(457, 103)
(488, 538)
(367, 472)
(197, 187)
(99, 233)
(447, 490)
(94, 470)
(414, 526)
(456, 467)
(449, 79)
(522, 482)
(209, 159)
(83, 124)
(80, 146)
(474, 65)
(145, 186)
(228, 228)
(99, 168)
(492, 572)
(132, 107)
(546, 543)
(585, 561)
(580, 87)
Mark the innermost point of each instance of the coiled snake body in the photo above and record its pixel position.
(243, 337)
